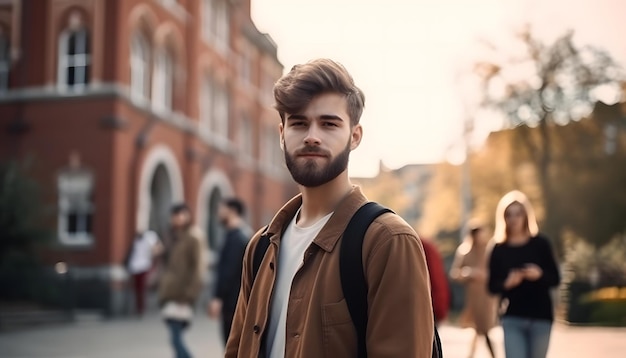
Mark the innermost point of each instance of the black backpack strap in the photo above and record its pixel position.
(437, 350)
(352, 276)
(259, 252)
(351, 268)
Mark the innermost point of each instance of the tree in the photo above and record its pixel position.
(21, 214)
(544, 86)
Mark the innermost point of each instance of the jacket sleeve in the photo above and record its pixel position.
(400, 319)
(457, 266)
(550, 276)
(232, 346)
(497, 274)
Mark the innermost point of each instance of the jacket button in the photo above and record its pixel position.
(272, 266)
(256, 329)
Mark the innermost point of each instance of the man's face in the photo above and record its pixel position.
(223, 213)
(180, 219)
(318, 141)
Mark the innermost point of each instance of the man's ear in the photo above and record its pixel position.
(282, 136)
(355, 136)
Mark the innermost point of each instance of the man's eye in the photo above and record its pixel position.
(330, 124)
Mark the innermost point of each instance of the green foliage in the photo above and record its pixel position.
(21, 211)
(538, 89)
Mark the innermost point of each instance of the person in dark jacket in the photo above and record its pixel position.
(224, 302)
(522, 270)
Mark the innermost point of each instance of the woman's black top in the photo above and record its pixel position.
(530, 299)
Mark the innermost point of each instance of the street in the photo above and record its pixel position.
(147, 338)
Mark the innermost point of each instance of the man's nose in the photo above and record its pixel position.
(312, 135)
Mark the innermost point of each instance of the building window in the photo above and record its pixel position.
(245, 68)
(216, 24)
(214, 109)
(139, 68)
(221, 114)
(74, 55)
(271, 146)
(245, 136)
(163, 81)
(206, 104)
(4, 62)
(75, 221)
(267, 89)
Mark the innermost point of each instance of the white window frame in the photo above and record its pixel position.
(207, 93)
(221, 112)
(245, 70)
(80, 60)
(5, 62)
(245, 136)
(216, 24)
(163, 82)
(75, 188)
(139, 68)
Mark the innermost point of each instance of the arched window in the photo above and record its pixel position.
(216, 23)
(162, 81)
(207, 98)
(74, 55)
(4, 61)
(139, 68)
(76, 207)
(214, 109)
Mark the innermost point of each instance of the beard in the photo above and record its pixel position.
(312, 175)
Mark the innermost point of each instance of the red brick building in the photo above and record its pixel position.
(128, 106)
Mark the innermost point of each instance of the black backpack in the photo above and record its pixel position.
(351, 271)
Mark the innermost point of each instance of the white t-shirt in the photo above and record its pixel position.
(141, 256)
(293, 244)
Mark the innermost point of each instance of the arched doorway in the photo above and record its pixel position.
(161, 199)
(160, 185)
(214, 187)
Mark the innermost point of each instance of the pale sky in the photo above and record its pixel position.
(405, 55)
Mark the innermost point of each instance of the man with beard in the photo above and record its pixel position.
(294, 305)
(228, 275)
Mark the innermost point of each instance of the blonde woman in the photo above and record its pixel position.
(522, 270)
(470, 269)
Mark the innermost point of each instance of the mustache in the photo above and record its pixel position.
(312, 150)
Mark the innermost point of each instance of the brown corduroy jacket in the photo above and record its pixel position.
(400, 318)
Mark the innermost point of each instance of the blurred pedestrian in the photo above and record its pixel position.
(440, 289)
(181, 280)
(522, 270)
(229, 266)
(140, 263)
(470, 269)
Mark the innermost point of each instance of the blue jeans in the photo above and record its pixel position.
(526, 337)
(176, 329)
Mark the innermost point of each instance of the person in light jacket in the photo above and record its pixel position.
(181, 280)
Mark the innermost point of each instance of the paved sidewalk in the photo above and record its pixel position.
(147, 338)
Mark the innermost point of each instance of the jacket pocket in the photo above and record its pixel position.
(339, 331)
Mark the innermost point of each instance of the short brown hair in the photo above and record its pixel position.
(296, 89)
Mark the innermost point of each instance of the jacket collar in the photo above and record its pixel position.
(334, 228)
